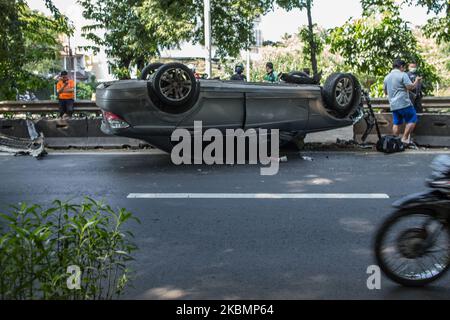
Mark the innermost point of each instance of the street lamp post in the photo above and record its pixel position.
(248, 64)
(207, 13)
(75, 75)
(66, 53)
(74, 68)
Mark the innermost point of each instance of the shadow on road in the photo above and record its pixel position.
(433, 292)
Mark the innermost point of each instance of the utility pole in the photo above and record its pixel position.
(248, 64)
(247, 52)
(207, 13)
(74, 68)
(312, 42)
(75, 75)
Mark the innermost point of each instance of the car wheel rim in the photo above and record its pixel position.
(344, 92)
(175, 84)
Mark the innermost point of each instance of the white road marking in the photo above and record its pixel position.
(258, 196)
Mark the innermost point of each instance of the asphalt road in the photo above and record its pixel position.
(235, 248)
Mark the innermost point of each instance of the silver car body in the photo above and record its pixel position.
(291, 108)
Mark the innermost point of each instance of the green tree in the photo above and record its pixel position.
(437, 27)
(136, 30)
(85, 90)
(27, 38)
(314, 44)
(369, 45)
(131, 31)
(231, 23)
(312, 49)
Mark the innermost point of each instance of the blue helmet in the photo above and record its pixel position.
(239, 68)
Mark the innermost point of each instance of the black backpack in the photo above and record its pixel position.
(390, 144)
(386, 144)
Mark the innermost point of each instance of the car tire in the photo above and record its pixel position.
(175, 88)
(341, 93)
(150, 69)
(297, 78)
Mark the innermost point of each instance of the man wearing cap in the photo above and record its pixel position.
(66, 95)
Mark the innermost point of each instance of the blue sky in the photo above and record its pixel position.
(327, 13)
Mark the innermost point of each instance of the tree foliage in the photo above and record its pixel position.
(26, 38)
(294, 4)
(131, 31)
(370, 44)
(317, 41)
(310, 37)
(437, 27)
(136, 30)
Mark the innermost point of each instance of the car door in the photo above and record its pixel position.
(278, 106)
(221, 105)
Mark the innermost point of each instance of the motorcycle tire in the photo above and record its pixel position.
(378, 247)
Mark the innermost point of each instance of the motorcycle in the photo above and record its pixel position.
(412, 246)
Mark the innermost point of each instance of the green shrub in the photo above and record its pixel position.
(85, 90)
(38, 247)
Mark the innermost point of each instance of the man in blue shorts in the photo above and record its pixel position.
(397, 86)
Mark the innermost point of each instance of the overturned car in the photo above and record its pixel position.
(169, 97)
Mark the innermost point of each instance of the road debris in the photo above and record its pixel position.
(279, 160)
(366, 146)
(33, 146)
(306, 158)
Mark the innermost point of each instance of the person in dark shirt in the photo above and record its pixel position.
(416, 94)
(239, 76)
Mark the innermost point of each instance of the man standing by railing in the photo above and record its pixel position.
(396, 87)
(65, 88)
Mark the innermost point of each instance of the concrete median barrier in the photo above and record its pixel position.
(64, 133)
(432, 130)
(76, 133)
(14, 128)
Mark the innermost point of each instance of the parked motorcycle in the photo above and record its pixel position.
(412, 246)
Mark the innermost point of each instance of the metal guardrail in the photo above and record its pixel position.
(44, 106)
(427, 103)
(47, 106)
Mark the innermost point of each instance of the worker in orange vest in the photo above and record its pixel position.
(66, 95)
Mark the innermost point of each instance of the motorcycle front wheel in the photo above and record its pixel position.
(412, 247)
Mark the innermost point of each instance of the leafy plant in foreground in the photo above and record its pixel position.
(39, 246)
